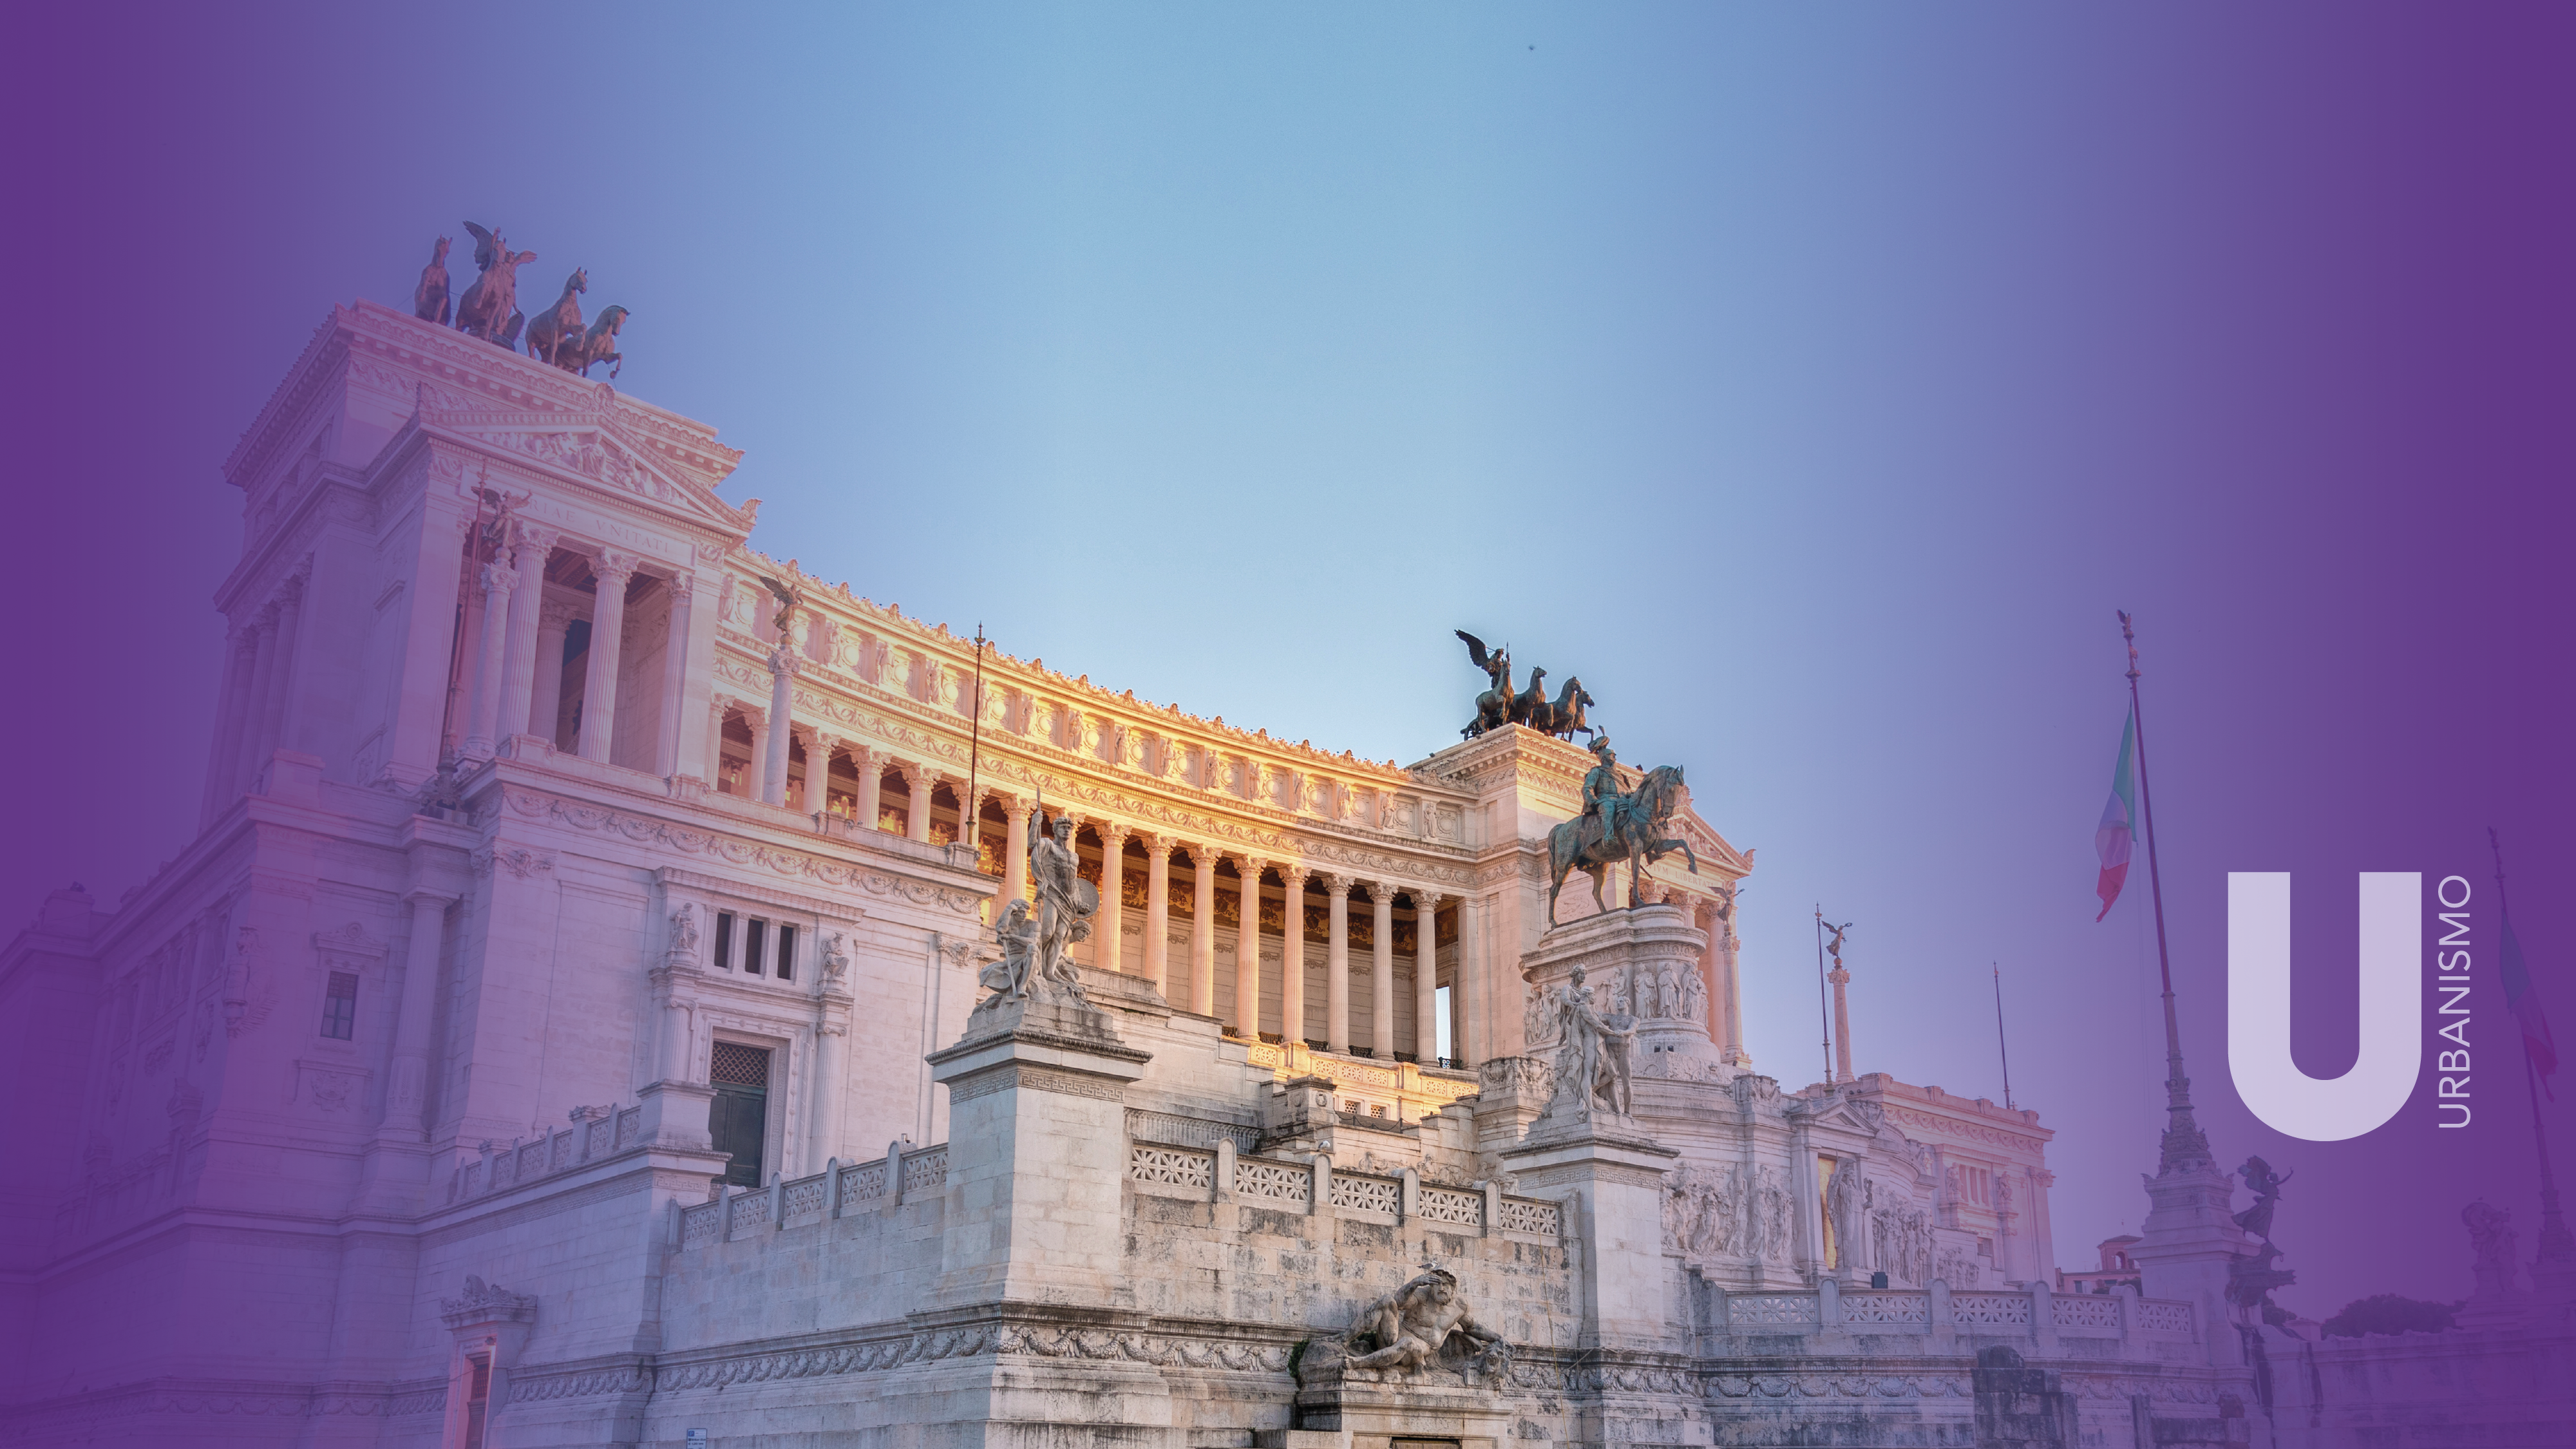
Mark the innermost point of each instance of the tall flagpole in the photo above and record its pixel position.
(2000, 1045)
(2556, 1247)
(2183, 1144)
(1824, 1017)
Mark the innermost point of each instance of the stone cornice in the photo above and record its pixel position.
(830, 910)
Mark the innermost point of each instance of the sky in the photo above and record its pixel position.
(1814, 382)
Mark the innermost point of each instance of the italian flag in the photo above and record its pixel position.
(2524, 1003)
(2119, 828)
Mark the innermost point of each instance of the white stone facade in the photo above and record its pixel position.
(534, 860)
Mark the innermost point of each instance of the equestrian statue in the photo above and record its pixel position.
(1616, 827)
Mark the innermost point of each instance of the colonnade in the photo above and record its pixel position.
(517, 683)
(259, 679)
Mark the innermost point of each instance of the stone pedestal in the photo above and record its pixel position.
(1339, 1408)
(1645, 962)
(2190, 1245)
(1032, 1249)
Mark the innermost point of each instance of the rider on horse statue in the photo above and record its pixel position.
(1601, 795)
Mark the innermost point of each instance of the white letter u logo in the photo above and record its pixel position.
(2258, 1007)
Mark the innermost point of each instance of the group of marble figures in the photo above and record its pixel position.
(490, 308)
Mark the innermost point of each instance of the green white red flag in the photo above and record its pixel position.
(2524, 1003)
(2118, 832)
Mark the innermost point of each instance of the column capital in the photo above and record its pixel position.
(683, 586)
(1251, 867)
(1112, 833)
(1157, 846)
(499, 578)
(817, 738)
(1337, 884)
(1381, 892)
(782, 663)
(540, 539)
(1292, 872)
(1204, 856)
(915, 774)
(1425, 902)
(556, 614)
(752, 714)
(614, 564)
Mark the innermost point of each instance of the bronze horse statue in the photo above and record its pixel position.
(1564, 718)
(1494, 706)
(552, 329)
(490, 308)
(599, 344)
(1639, 843)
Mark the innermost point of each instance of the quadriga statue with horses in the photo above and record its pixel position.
(1499, 705)
(1616, 828)
(490, 308)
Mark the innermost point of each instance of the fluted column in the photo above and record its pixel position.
(254, 714)
(1382, 970)
(1841, 978)
(545, 693)
(1734, 1054)
(1203, 931)
(871, 768)
(1292, 956)
(607, 638)
(407, 1095)
(817, 798)
(281, 683)
(681, 589)
(716, 708)
(1426, 976)
(831, 1041)
(1158, 911)
(756, 720)
(1247, 951)
(782, 713)
(1470, 988)
(916, 816)
(1109, 927)
(239, 651)
(1015, 853)
(519, 654)
(484, 715)
(1711, 977)
(1337, 965)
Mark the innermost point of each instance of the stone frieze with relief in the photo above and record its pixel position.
(644, 830)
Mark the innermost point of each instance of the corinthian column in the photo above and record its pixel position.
(519, 655)
(916, 816)
(607, 636)
(1382, 970)
(1109, 926)
(484, 717)
(1015, 853)
(1426, 976)
(1203, 932)
(1247, 952)
(1469, 992)
(677, 638)
(545, 696)
(1292, 956)
(1337, 966)
(1158, 911)
(871, 768)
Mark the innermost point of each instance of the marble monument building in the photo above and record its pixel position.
(591, 1012)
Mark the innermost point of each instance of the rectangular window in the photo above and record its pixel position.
(754, 942)
(786, 952)
(340, 1007)
(724, 940)
(478, 1399)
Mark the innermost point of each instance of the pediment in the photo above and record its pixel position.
(593, 448)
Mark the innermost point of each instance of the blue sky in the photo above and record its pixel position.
(1813, 382)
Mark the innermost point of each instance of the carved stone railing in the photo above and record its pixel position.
(2034, 1314)
(596, 1133)
(837, 1191)
(1178, 1131)
(1223, 1174)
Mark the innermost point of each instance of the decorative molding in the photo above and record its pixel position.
(535, 805)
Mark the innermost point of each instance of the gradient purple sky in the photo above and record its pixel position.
(1813, 382)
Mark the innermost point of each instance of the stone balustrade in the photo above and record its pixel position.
(1223, 1174)
(2139, 1325)
(596, 1133)
(840, 1188)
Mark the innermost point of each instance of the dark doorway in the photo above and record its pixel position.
(738, 1119)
